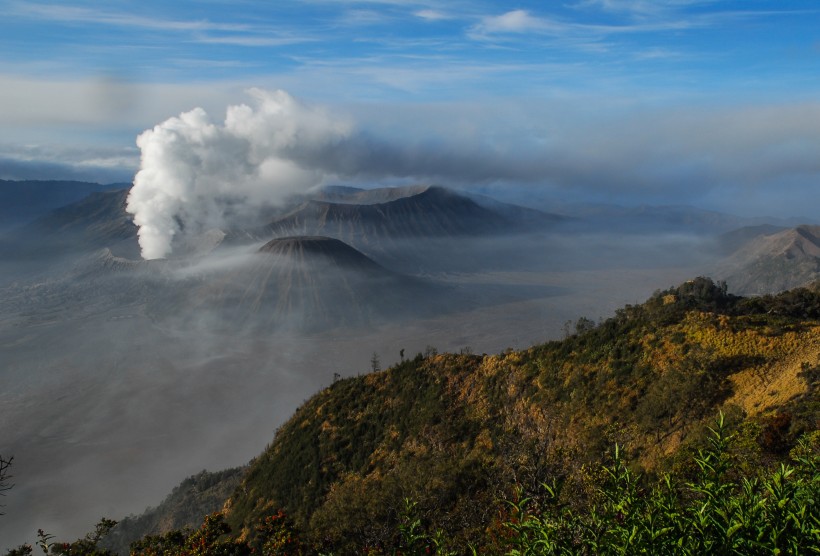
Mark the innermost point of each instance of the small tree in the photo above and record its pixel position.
(5, 464)
(583, 325)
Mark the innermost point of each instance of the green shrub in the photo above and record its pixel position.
(776, 513)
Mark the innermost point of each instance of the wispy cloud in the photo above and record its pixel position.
(444, 76)
(523, 22)
(518, 21)
(201, 30)
(71, 14)
(253, 40)
(656, 53)
(364, 17)
(631, 17)
(638, 8)
(432, 15)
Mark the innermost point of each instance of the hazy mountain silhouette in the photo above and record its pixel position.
(96, 221)
(774, 262)
(730, 242)
(311, 283)
(640, 219)
(424, 212)
(305, 250)
(22, 201)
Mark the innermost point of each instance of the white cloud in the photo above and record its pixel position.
(202, 30)
(432, 15)
(72, 14)
(517, 21)
(640, 8)
(254, 40)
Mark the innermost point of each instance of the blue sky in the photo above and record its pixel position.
(709, 102)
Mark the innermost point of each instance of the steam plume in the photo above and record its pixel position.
(195, 175)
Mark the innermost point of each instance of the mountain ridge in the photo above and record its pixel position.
(455, 433)
(774, 262)
(24, 200)
(428, 211)
(330, 249)
(96, 221)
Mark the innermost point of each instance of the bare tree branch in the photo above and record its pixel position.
(5, 464)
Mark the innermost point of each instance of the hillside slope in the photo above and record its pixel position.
(94, 222)
(196, 496)
(456, 433)
(774, 262)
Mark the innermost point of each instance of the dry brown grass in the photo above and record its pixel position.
(757, 389)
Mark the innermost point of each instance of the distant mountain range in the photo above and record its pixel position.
(419, 210)
(663, 218)
(384, 222)
(418, 229)
(359, 217)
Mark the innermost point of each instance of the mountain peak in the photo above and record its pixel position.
(806, 241)
(775, 262)
(306, 249)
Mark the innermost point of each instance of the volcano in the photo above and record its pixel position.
(311, 283)
(429, 212)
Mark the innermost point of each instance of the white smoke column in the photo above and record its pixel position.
(195, 175)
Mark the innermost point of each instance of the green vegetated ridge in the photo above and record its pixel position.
(456, 433)
(513, 453)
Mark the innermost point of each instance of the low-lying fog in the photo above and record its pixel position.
(111, 396)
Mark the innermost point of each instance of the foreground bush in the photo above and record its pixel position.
(778, 513)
